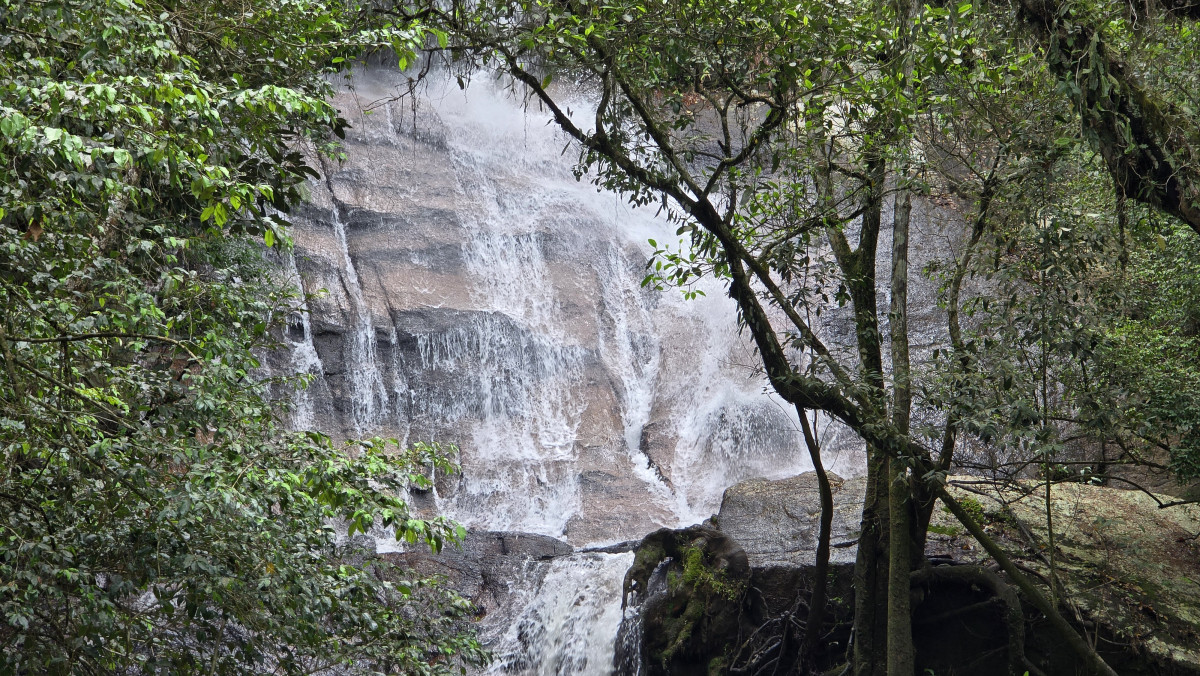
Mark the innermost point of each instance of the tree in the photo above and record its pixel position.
(157, 517)
(775, 133)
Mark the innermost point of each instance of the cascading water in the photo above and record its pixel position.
(478, 294)
(567, 623)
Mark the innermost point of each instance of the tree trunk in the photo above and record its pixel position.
(900, 555)
(870, 573)
(871, 567)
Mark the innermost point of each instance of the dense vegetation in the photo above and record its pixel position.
(156, 516)
(792, 142)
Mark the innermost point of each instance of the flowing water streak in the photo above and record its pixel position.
(370, 393)
(304, 360)
(568, 624)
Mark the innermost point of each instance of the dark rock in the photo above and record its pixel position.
(760, 549)
(696, 605)
(689, 586)
(486, 563)
(618, 548)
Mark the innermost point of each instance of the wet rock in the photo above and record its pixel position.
(485, 566)
(464, 287)
(697, 604)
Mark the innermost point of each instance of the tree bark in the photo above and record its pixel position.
(871, 566)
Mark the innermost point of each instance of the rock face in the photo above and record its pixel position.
(466, 288)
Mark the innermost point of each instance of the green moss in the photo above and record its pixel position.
(951, 531)
(718, 666)
(972, 507)
(682, 629)
(700, 576)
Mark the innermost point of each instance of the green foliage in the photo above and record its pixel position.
(1150, 350)
(157, 517)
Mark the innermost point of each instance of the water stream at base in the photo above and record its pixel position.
(587, 408)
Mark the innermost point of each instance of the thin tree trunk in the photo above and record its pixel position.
(900, 661)
(816, 603)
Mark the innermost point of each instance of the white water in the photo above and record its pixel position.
(567, 624)
(586, 407)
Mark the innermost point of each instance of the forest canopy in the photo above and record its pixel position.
(157, 515)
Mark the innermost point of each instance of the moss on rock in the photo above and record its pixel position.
(690, 583)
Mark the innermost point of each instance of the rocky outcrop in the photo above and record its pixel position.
(689, 588)
(1128, 569)
(1127, 574)
(708, 598)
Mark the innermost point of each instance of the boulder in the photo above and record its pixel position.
(710, 597)
(777, 522)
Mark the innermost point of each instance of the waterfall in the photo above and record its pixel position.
(478, 294)
(566, 625)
